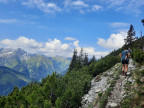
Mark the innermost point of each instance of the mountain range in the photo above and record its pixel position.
(18, 68)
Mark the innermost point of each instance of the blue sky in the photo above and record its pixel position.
(56, 27)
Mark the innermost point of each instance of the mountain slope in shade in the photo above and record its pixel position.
(10, 78)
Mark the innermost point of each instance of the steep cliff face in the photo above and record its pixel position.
(109, 88)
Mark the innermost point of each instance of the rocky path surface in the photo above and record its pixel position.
(118, 92)
(100, 84)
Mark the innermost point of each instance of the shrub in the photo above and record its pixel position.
(142, 72)
(100, 94)
(138, 55)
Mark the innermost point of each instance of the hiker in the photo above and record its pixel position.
(125, 61)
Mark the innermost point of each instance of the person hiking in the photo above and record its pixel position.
(125, 61)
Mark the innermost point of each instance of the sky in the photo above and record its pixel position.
(56, 27)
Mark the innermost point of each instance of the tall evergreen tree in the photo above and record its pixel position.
(130, 35)
(142, 21)
(81, 56)
(92, 60)
(85, 61)
(74, 60)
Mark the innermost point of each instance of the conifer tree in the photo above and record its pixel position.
(85, 61)
(74, 60)
(81, 56)
(92, 60)
(130, 35)
(142, 21)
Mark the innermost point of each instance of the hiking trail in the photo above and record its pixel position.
(100, 84)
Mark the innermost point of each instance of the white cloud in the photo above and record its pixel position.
(81, 6)
(70, 38)
(43, 6)
(126, 6)
(119, 24)
(66, 5)
(96, 7)
(79, 3)
(91, 51)
(134, 7)
(21, 42)
(8, 20)
(50, 48)
(115, 41)
(116, 2)
(56, 45)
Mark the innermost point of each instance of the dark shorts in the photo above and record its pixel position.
(125, 62)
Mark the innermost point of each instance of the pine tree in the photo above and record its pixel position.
(130, 35)
(142, 21)
(74, 60)
(85, 61)
(92, 60)
(81, 56)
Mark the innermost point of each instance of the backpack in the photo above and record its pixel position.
(130, 51)
(124, 55)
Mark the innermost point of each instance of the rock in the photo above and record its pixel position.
(128, 73)
(98, 90)
(97, 78)
(142, 79)
(113, 105)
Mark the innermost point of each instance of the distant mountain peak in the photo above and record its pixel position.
(20, 52)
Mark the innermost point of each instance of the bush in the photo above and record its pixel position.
(142, 72)
(138, 55)
(100, 94)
